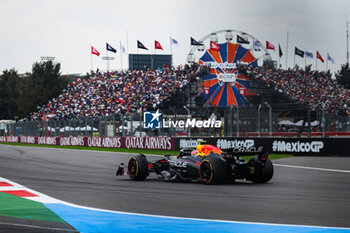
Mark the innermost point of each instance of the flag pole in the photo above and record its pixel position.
(106, 60)
(294, 61)
(305, 59)
(91, 61)
(287, 49)
(171, 46)
(327, 63)
(316, 60)
(127, 42)
(121, 58)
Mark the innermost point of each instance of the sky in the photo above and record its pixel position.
(65, 29)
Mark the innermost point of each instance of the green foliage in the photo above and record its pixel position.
(19, 96)
(343, 76)
(9, 93)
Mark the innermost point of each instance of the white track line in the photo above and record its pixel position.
(312, 168)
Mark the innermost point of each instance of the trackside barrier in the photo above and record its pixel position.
(297, 146)
(151, 143)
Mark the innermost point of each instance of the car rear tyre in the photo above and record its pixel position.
(138, 167)
(212, 170)
(263, 174)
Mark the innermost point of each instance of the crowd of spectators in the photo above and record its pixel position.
(313, 88)
(104, 94)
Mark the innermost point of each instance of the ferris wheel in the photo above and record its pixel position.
(224, 86)
(255, 46)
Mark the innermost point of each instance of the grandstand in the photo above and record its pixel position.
(227, 83)
(292, 95)
(104, 94)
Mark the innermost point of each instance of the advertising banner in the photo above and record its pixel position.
(148, 143)
(296, 146)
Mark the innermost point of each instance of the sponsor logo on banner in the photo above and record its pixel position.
(111, 142)
(2, 139)
(230, 144)
(47, 140)
(224, 65)
(159, 143)
(190, 143)
(72, 141)
(12, 139)
(283, 146)
(27, 139)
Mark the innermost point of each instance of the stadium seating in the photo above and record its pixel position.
(103, 94)
(314, 89)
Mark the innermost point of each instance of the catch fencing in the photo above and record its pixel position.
(252, 121)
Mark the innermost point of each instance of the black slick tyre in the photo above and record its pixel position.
(212, 170)
(263, 174)
(138, 167)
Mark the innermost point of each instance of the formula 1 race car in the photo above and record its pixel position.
(207, 164)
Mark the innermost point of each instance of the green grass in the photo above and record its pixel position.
(137, 151)
(271, 156)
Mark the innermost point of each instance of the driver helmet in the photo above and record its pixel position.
(195, 153)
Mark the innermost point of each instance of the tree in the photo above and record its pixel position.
(43, 84)
(9, 94)
(19, 96)
(343, 76)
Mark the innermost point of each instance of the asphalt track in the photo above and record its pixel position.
(294, 195)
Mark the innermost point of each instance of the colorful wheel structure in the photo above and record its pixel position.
(223, 86)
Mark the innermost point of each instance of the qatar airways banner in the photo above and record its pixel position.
(149, 143)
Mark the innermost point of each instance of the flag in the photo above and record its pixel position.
(241, 40)
(94, 51)
(122, 48)
(299, 52)
(280, 53)
(157, 45)
(270, 46)
(173, 41)
(257, 45)
(318, 56)
(110, 48)
(329, 58)
(141, 46)
(308, 54)
(194, 42)
(214, 46)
